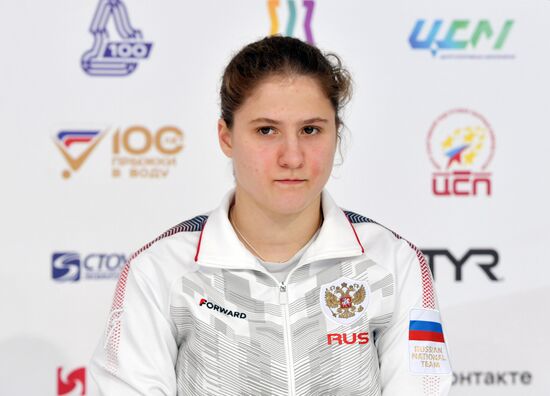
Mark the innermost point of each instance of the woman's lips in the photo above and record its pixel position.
(290, 182)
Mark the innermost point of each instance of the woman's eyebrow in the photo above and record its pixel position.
(275, 122)
(264, 119)
(314, 119)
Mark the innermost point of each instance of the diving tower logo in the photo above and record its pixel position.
(291, 9)
(137, 151)
(110, 57)
(76, 145)
(461, 144)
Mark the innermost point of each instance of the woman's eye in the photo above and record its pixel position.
(311, 130)
(265, 130)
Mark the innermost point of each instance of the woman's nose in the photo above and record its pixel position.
(290, 152)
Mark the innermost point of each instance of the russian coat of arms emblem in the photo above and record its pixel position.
(344, 300)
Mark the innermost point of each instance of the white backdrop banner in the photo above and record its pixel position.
(109, 111)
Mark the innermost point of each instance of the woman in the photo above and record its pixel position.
(278, 291)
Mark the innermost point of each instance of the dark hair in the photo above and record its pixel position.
(277, 55)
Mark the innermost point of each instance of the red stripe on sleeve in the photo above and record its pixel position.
(419, 335)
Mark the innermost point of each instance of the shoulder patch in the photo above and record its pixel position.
(427, 348)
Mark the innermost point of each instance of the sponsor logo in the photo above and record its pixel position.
(76, 145)
(137, 151)
(486, 260)
(70, 267)
(215, 307)
(461, 144)
(345, 300)
(427, 349)
(108, 56)
(462, 38)
(492, 378)
(354, 338)
(289, 29)
(141, 153)
(75, 380)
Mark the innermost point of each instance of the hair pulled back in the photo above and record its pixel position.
(278, 55)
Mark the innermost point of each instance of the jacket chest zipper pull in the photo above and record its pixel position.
(283, 297)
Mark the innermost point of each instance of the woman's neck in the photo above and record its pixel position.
(273, 236)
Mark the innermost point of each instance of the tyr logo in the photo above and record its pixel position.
(489, 261)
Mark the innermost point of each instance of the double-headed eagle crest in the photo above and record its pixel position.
(345, 301)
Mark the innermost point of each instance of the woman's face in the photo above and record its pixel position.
(282, 143)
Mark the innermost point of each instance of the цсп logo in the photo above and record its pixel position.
(461, 144)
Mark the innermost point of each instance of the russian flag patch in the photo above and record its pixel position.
(427, 348)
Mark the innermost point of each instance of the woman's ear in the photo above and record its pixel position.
(225, 138)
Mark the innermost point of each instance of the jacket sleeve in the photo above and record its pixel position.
(412, 350)
(137, 353)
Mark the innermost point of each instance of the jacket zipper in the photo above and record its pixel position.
(283, 300)
(287, 335)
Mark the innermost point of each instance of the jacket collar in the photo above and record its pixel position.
(220, 247)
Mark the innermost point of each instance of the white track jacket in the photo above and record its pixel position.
(194, 313)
